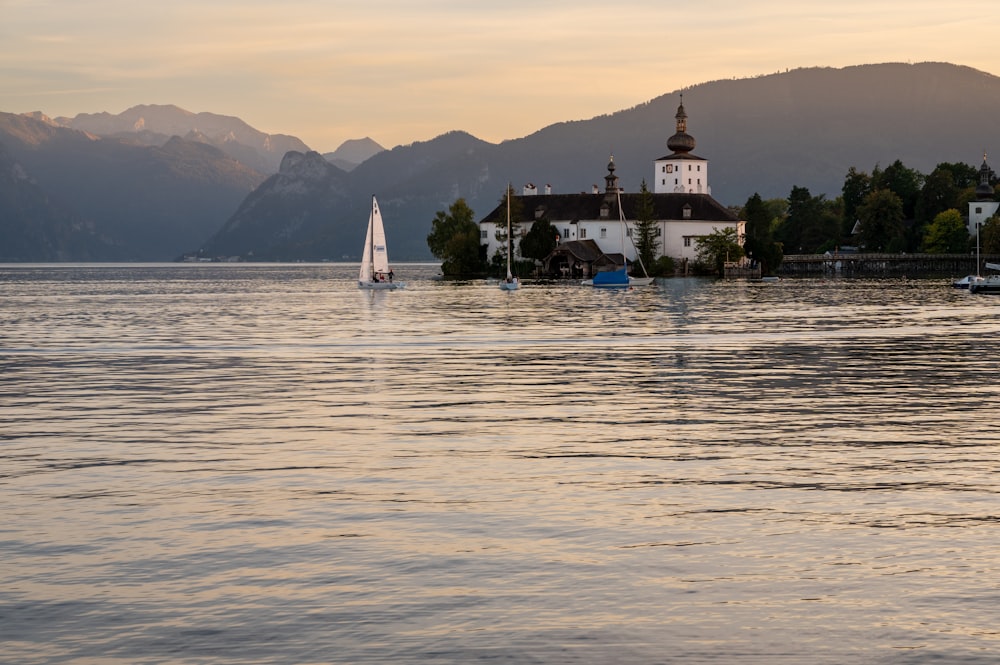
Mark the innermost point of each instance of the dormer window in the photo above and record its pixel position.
(686, 211)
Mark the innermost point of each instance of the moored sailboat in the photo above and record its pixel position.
(511, 283)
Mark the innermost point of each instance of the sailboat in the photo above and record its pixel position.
(375, 273)
(645, 280)
(967, 281)
(511, 283)
(620, 279)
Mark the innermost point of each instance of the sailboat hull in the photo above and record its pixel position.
(381, 286)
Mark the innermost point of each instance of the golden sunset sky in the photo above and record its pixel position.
(401, 71)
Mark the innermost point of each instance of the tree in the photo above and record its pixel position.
(540, 240)
(881, 217)
(810, 223)
(963, 175)
(454, 238)
(989, 236)
(718, 247)
(647, 245)
(904, 182)
(759, 244)
(947, 234)
(938, 194)
(857, 185)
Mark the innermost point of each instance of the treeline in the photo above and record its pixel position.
(891, 209)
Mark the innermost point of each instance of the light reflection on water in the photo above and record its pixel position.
(235, 464)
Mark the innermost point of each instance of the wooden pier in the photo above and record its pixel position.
(883, 265)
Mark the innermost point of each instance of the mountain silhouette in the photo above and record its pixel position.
(804, 127)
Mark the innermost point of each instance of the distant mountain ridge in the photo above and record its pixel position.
(154, 124)
(134, 202)
(353, 152)
(804, 127)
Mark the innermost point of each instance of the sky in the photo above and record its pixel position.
(400, 71)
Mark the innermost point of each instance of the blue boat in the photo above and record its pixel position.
(615, 279)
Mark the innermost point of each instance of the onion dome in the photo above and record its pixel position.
(681, 142)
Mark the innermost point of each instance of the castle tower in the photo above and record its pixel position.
(681, 171)
(984, 206)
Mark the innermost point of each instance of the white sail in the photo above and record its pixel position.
(365, 274)
(374, 272)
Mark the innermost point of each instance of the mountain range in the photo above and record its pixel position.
(155, 182)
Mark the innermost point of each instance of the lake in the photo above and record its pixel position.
(255, 463)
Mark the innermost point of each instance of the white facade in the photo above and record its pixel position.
(677, 174)
(979, 212)
(678, 238)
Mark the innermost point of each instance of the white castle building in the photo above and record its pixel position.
(589, 226)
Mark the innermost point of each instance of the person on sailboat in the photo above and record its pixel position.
(391, 273)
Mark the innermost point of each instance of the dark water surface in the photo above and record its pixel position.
(261, 464)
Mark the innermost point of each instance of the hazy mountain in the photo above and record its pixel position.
(805, 127)
(353, 152)
(33, 228)
(145, 202)
(290, 216)
(154, 125)
(313, 210)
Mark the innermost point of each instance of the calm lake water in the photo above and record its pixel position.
(262, 464)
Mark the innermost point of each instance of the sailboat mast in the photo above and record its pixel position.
(509, 243)
(371, 241)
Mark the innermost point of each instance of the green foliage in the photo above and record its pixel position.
(904, 182)
(718, 247)
(857, 185)
(810, 223)
(989, 236)
(647, 245)
(759, 244)
(540, 240)
(938, 194)
(881, 217)
(947, 234)
(662, 267)
(963, 175)
(454, 239)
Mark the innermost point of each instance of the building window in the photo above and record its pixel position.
(604, 232)
(689, 181)
(583, 232)
(482, 234)
(566, 233)
(979, 211)
(699, 167)
(658, 231)
(687, 212)
(687, 241)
